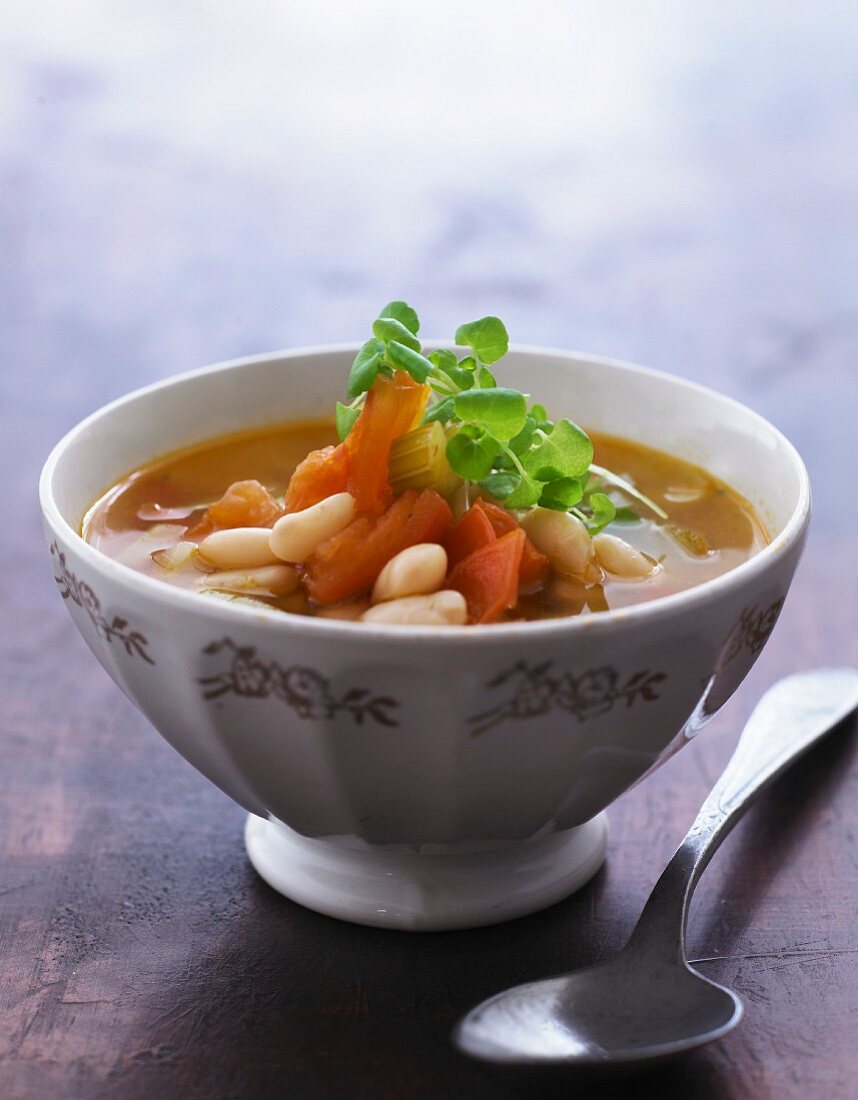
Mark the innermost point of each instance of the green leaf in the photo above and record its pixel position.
(500, 485)
(446, 362)
(471, 453)
(365, 367)
(603, 509)
(487, 336)
(519, 443)
(346, 416)
(485, 378)
(562, 493)
(442, 358)
(442, 411)
(404, 314)
(567, 452)
(502, 411)
(626, 515)
(505, 461)
(526, 494)
(387, 329)
(538, 412)
(418, 366)
(468, 362)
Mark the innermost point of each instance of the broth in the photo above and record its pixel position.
(710, 528)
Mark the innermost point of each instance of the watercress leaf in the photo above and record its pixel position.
(562, 493)
(626, 515)
(519, 443)
(526, 494)
(388, 329)
(365, 367)
(566, 452)
(417, 365)
(554, 505)
(463, 378)
(471, 454)
(500, 485)
(502, 411)
(505, 461)
(346, 416)
(442, 411)
(487, 336)
(402, 312)
(443, 358)
(468, 362)
(485, 378)
(603, 511)
(446, 362)
(538, 412)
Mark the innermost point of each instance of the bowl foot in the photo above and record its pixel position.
(395, 887)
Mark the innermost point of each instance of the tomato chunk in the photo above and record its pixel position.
(244, 504)
(393, 407)
(359, 465)
(483, 523)
(321, 474)
(347, 565)
(488, 578)
(471, 530)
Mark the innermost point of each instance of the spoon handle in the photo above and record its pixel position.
(787, 721)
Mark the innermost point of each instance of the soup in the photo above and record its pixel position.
(711, 529)
(436, 497)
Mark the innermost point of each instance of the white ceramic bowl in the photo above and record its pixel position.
(424, 777)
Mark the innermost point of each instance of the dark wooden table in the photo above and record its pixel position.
(179, 188)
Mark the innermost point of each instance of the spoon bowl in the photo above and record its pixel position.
(620, 1011)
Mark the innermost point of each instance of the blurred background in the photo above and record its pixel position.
(668, 182)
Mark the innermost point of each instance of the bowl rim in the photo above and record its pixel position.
(275, 621)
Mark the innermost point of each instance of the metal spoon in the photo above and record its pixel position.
(647, 1003)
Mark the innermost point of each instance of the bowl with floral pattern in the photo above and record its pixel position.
(424, 777)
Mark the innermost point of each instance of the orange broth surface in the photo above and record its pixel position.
(710, 529)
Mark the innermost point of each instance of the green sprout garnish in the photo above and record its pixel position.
(514, 451)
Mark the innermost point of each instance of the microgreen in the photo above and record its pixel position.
(602, 510)
(443, 411)
(387, 329)
(346, 416)
(471, 452)
(405, 358)
(626, 515)
(404, 314)
(525, 494)
(517, 454)
(487, 336)
(562, 494)
(501, 410)
(566, 451)
(365, 367)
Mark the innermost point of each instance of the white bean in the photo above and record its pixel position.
(445, 608)
(618, 557)
(416, 571)
(562, 537)
(269, 580)
(569, 592)
(296, 535)
(239, 548)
